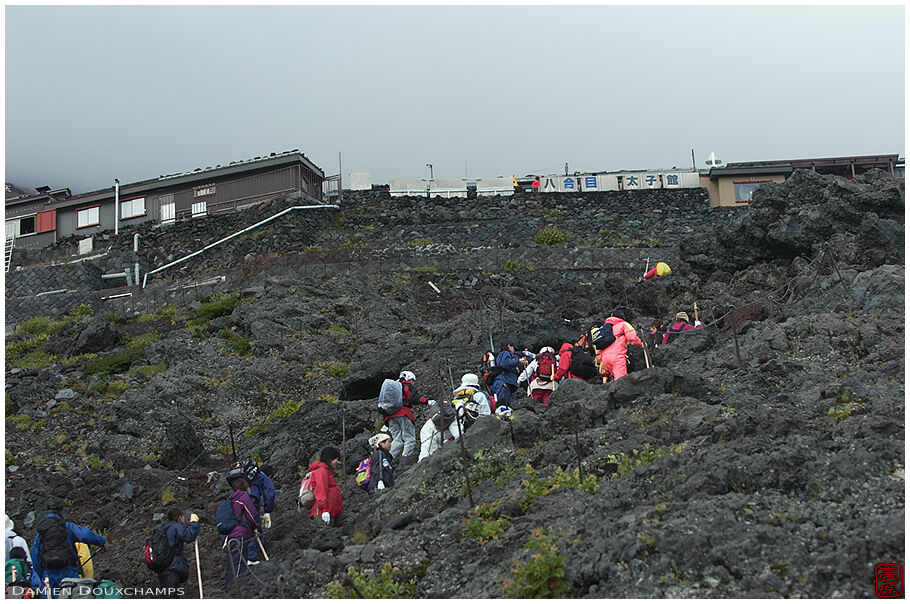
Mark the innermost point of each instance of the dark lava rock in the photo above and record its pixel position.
(182, 446)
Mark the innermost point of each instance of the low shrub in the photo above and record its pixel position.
(385, 585)
(625, 463)
(482, 527)
(541, 576)
(218, 308)
(552, 236)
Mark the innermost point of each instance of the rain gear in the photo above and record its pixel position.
(613, 357)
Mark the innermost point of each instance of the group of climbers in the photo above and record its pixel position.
(597, 355)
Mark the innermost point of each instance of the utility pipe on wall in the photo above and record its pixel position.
(116, 206)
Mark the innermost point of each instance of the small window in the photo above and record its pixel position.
(199, 208)
(744, 190)
(204, 191)
(27, 226)
(132, 208)
(87, 217)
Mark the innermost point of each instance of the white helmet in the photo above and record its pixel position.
(470, 379)
(407, 375)
(547, 349)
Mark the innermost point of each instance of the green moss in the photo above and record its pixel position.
(535, 486)
(553, 214)
(513, 267)
(236, 342)
(39, 326)
(79, 312)
(23, 423)
(111, 364)
(141, 341)
(29, 353)
(285, 409)
(625, 463)
(108, 391)
(147, 370)
(339, 369)
(218, 308)
(11, 460)
(338, 330)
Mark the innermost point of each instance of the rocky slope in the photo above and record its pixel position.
(766, 464)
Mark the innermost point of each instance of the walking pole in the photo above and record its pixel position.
(198, 568)
(695, 308)
(262, 549)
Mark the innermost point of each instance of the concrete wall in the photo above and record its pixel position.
(360, 181)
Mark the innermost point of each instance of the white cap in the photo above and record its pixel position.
(546, 349)
(378, 438)
(407, 375)
(470, 379)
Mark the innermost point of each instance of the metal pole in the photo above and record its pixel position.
(340, 180)
(198, 568)
(739, 362)
(694, 167)
(116, 206)
(459, 413)
(836, 270)
(343, 435)
(233, 448)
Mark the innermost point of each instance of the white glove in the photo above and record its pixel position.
(326, 517)
(697, 323)
(380, 486)
(266, 520)
(431, 402)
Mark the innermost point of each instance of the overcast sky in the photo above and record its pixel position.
(97, 93)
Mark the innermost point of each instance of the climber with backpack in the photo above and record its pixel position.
(541, 375)
(613, 356)
(380, 474)
(576, 361)
(401, 420)
(17, 573)
(14, 540)
(678, 326)
(237, 518)
(262, 492)
(54, 556)
(164, 550)
(327, 504)
(439, 428)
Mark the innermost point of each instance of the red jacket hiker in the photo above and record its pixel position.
(328, 495)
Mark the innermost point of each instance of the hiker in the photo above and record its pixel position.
(54, 550)
(439, 428)
(262, 492)
(111, 582)
(382, 476)
(678, 326)
(658, 332)
(401, 422)
(661, 269)
(613, 357)
(540, 375)
(535, 185)
(14, 540)
(247, 517)
(17, 572)
(322, 476)
(506, 383)
(575, 362)
(178, 532)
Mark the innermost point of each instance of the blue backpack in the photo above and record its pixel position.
(225, 520)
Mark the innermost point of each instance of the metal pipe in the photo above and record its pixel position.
(136, 242)
(116, 206)
(229, 237)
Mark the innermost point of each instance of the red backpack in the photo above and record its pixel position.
(546, 366)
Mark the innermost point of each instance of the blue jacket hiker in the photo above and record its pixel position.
(507, 381)
(54, 551)
(178, 532)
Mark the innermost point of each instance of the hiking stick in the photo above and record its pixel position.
(233, 449)
(644, 347)
(695, 308)
(459, 413)
(262, 549)
(343, 435)
(647, 266)
(198, 568)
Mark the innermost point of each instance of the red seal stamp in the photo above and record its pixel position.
(889, 580)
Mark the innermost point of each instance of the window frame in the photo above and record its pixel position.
(130, 201)
(204, 191)
(84, 209)
(747, 182)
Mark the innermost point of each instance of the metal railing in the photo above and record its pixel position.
(229, 237)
